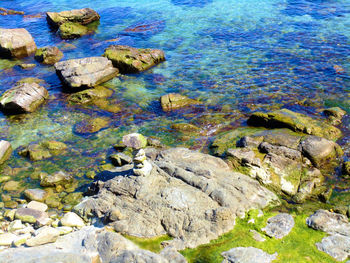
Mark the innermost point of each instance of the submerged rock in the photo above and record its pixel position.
(173, 101)
(85, 72)
(72, 30)
(91, 125)
(133, 60)
(89, 95)
(191, 196)
(58, 178)
(48, 55)
(23, 98)
(5, 151)
(295, 121)
(247, 255)
(16, 43)
(43, 150)
(81, 16)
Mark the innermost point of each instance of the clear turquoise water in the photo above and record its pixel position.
(244, 55)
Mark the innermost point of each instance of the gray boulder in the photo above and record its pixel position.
(85, 72)
(337, 244)
(247, 255)
(279, 226)
(191, 196)
(23, 98)
(16, 43)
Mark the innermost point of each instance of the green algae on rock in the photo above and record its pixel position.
(173, 101)
(184, 127)
(81, 16)
(43, 150)
(91, 125)
(133, 60)
(297, 122)
(89, 95)
(48, 55)
(71, 30)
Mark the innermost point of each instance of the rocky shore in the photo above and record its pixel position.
(269, 179)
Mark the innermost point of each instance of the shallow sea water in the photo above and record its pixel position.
(237, 57)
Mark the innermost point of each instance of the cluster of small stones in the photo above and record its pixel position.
(32, 225)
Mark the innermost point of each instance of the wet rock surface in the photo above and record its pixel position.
(132, 60)
(295, 121)
(173, 101)
(81, 16)
(48, 55)
(86, 72)
(337, 226)
(247, 255)
(16, 43)
(191, 196)
(23, 98)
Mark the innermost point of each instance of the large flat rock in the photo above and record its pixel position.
(16, 43)
(191, 196)
(23, 98)
(85, 72)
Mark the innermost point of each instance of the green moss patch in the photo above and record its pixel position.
(298, 246)
(151, 244)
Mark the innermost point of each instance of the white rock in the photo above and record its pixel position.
(37, 206)
(42, 236)
(16, 225)
(7, 239)
(72, 219)
(145, 170)
(20, 240)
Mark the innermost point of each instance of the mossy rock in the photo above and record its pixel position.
(48, 55)
(30, 81)
(229, 139)
(297, 122)
(173, 101)
(91, 125)
(185, 127)
(346, 169)
(89, 95)
(71, 30)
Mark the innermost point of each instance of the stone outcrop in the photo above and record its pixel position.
(295, 121)
(191, 196)
(247, 255)
(90, 244)
(90, 95)
(337, 226)
(5, 151)
(48, 55)
(173, 101)
(133, 60)
(83, 16)
(285, 161)
(16, 43)
(72, 30)
(23, 98)
(85, 72)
